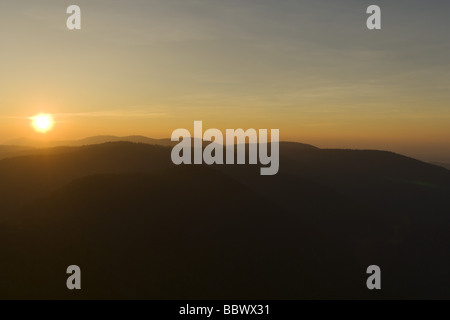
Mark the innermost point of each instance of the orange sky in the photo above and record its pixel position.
(309, 68)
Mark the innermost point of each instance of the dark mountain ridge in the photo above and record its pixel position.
(123, 211)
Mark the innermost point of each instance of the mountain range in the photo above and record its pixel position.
(26, 142)
(140, 227)
(20, 146)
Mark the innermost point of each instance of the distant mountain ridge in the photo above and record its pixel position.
(25, 142)
(14, 150)
(86, 141)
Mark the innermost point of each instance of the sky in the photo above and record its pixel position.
(309, 68)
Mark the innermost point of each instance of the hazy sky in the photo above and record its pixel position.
(310, 68)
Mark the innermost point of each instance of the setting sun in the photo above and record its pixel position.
(42, 122)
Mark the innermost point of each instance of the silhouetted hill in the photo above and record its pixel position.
(88, 141)
(29, 177)
(444, 165)
(140, 227)
(12, 151)
(383, 180)
(155, 236)
(171, 235)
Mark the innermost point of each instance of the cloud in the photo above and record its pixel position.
(98, 114)
(111, 114)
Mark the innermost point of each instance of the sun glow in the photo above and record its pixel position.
(42, 122)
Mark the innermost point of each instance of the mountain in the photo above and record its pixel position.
(26, 143)
(444, 165)
(87, 141)
(44, 170)
(7, 151)
(142, 228)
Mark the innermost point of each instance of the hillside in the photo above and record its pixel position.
(122, 211)
(7, 151)
(25, 142)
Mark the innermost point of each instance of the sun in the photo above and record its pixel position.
(42, 122)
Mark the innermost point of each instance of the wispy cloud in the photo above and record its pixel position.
(98, 114)
(111, 114)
